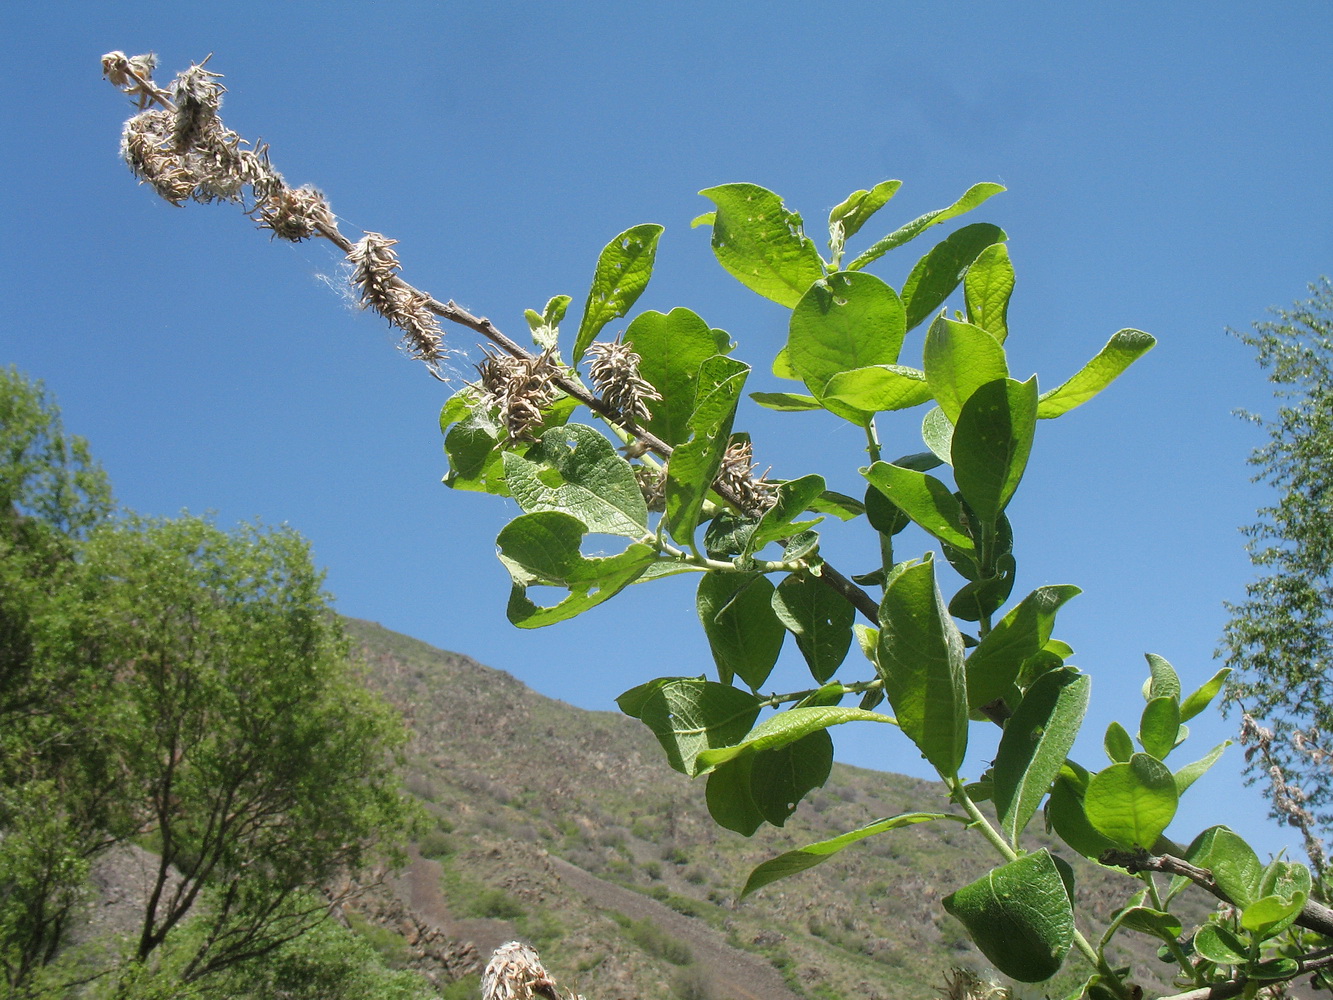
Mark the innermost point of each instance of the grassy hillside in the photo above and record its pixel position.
(518, 785)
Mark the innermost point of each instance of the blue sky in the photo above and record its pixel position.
(1168, 168)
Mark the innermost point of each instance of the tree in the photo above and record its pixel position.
(184, 686)
(1279, 640)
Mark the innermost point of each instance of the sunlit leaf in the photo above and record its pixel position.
(623, 270)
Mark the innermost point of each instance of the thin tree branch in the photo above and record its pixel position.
(1314, 916)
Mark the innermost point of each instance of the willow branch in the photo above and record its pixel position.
(1314, 915)
(185, 152)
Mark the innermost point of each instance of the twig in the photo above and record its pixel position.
(1314, 915)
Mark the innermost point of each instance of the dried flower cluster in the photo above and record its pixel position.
(962, 984)
(375, 271)
(615, 374)
(185, 152)
(652, 484)
(737, 475)
(1288, 800)
(182, 148)
(520, 388)
(515, 972)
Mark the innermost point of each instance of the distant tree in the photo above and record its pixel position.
(1279, 640)
(56, 787)
(188, 687)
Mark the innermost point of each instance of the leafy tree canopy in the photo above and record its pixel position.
(167, 682)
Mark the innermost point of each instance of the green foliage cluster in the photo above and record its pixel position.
(172, 685)
(683, 500)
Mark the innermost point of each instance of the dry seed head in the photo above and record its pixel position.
(515, 972)
(652, 484)
(615, 374)
(375, 272)
(520, 388)
(145, 143)
(198, 96)
(132, 74)
(737, 474)
(295, 213)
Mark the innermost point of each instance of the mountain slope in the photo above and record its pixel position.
(565, 827)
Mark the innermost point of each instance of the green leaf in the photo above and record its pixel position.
(939, 272)
(924, 499)
(672, 348)
(843, 322)
(457, 407)
(786, 728)
(1020, 915)
(920, 657)
(1285, 879)
(473, 448)
(794, 497)
(979, 598)
(703, 219)
(937, 433)
(1132, 803)
(1274, 968)
(542, 549)
(781, 777)
(694, 465)
(1146, 920)
(555, 309)
(782, 366)
(1163, 681)
(730, 802)
(878, 388)
(744, 634)
(761, 244)
(973, 197)
(623, 269)
(820, 620)
(1270, 915)
(994, 665)
(959, 359)
(789, 402)
(986, 288)
(1200, 699)
(1121, 351)
(689, 715)
(1118, 743)
(1065, 813)
(794, 862)
(1191, 773)
(1217, 944)
(576, 470)
(1159, 726)
(1233, 863)
(839, 505)
(859, 206)
(1035, 742)
(992, 442)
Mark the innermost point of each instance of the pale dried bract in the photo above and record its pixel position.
(615, 374)
(515, 972)
(375, 272)
(295, 213)
(198, 96)
(132, 74)
(737, 475)
(520, 388)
